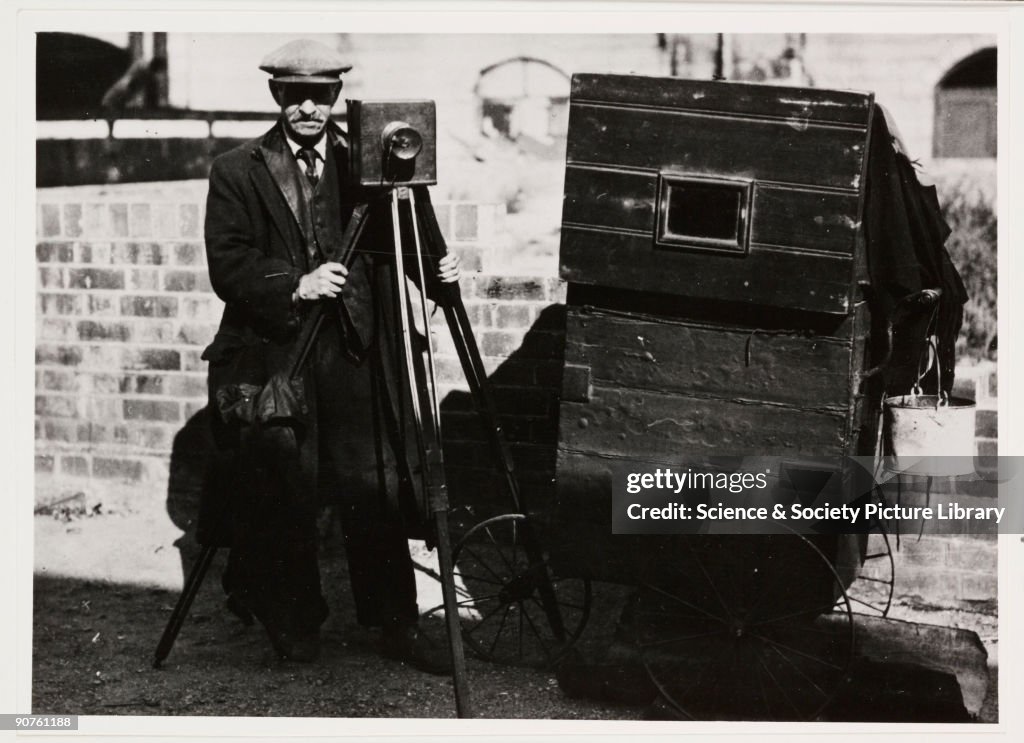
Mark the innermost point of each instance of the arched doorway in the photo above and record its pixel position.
(525, 100)
(965, 108)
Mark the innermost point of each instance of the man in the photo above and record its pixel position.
(277, 208)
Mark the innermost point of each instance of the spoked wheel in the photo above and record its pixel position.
(744, 628)
(513, 609)
(872, 592)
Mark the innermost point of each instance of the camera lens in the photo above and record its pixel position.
(401, 141)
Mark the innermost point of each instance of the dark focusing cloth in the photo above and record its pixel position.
(906, 235)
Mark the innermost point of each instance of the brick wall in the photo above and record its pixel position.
(979, 382)
(125, 308)
(939, 570)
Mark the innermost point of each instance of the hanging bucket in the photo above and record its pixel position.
(929, 434)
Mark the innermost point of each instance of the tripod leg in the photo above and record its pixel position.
(469, 354)
(346, 250)
(476, 376)
(188, 595)
(309, 334)
(401, 291)
(446, 567)
(431, 371)
(429, 445)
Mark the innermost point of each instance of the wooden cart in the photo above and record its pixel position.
(713, 247)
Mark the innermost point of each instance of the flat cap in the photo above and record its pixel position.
(305, 61)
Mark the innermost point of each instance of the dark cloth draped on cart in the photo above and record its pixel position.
(906, 253)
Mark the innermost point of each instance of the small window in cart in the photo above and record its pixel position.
(704, 213)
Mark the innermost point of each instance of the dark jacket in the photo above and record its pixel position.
(257, 252)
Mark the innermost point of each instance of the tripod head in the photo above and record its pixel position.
(392, 143)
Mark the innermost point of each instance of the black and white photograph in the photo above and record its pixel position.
(344, 338)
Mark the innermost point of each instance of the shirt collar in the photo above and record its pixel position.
(320, 146)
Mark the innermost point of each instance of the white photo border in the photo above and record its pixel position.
(17, 331)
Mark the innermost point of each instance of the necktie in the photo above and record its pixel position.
(308, 156)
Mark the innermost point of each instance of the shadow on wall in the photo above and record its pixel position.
(526, 389)
(190, 466)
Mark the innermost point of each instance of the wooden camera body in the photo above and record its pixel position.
(713, 248)
(392, 143)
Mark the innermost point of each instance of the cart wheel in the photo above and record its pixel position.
(872, 592)
(744, 627)
(513, 609)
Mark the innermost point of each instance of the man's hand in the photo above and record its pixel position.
(324, 281)
(448, 269)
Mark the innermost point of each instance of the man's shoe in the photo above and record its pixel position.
(408, 644)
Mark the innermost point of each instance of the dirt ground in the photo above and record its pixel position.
(93, 645)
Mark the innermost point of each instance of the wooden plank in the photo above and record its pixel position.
(783, 217)
(817, 283)
(857, 323)
(864, 420)
(798, 104)
(719, 362)
(866, 401)
(808, 219)
(716, 146)
(610, 198)
(646, 426)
